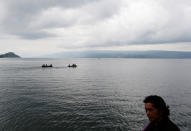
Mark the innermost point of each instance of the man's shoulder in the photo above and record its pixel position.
(171, 126)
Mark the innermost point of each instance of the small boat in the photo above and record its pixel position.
(45, 65)
(73, 65)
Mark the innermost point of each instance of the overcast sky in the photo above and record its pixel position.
(39, 27)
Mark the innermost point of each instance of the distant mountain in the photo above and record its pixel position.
(9, 55)
(122, 54)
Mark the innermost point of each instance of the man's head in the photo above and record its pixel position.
(156, 108)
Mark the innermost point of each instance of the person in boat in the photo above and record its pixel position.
(45, 65)
(73, 65)
(158, 114)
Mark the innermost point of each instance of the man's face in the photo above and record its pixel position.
(153, 114)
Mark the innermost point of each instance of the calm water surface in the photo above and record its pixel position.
(98, 95)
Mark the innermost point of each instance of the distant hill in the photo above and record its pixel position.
(122, 54)
(9, 55)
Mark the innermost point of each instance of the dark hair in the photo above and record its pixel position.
(158, 103)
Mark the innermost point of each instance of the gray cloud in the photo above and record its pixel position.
(20, 14)
(98, 23)
(35, 35)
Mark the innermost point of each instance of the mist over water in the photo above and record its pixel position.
(98, 95)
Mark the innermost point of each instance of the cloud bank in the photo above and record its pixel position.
(75, 24)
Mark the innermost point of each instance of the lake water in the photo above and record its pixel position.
(98, 95)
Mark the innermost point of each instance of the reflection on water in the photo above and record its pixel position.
(100, 94)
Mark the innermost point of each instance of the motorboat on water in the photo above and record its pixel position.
(73, 65)
(45, 65)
